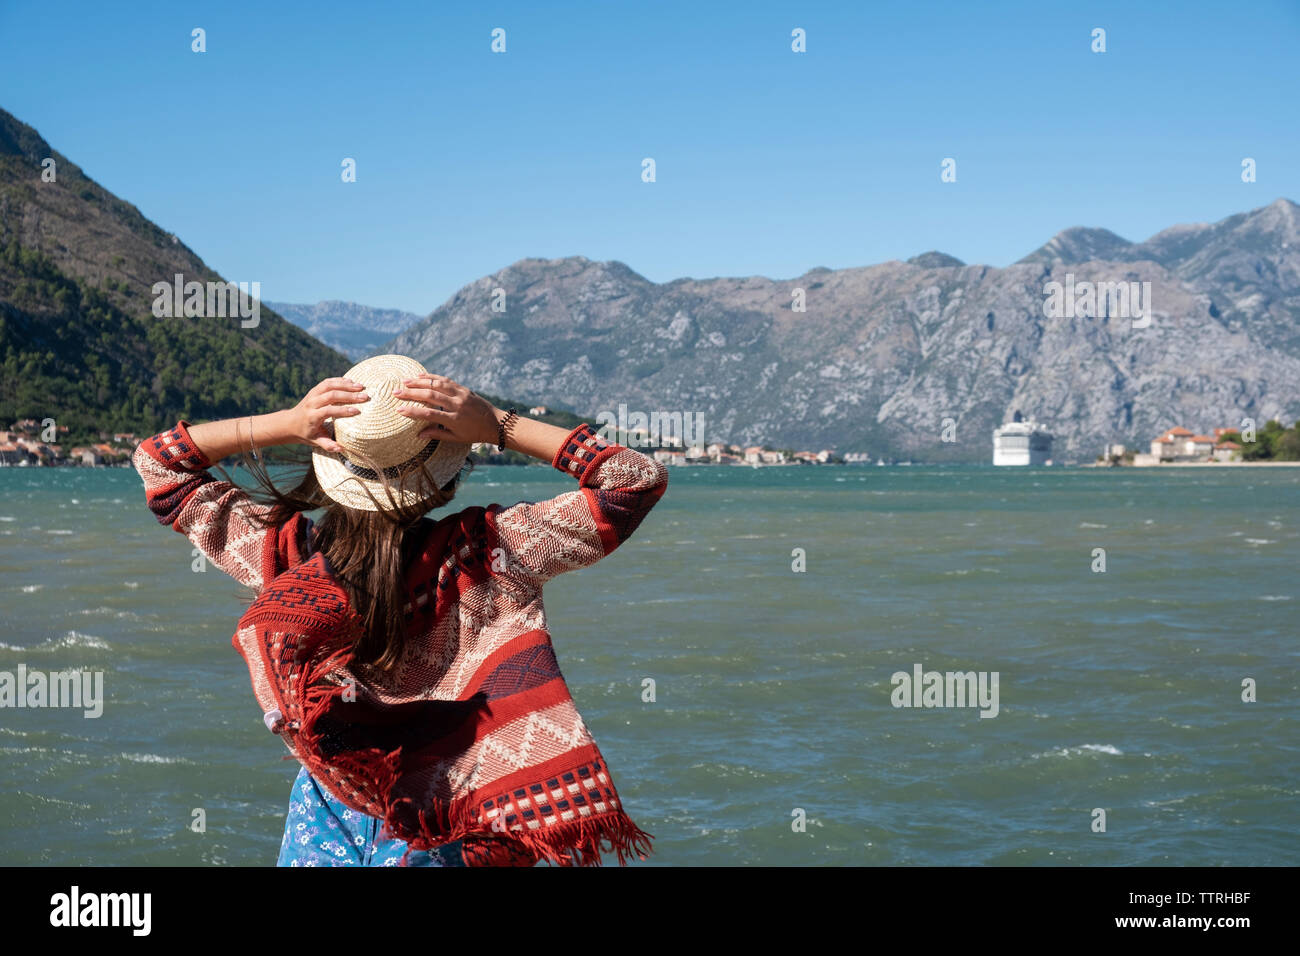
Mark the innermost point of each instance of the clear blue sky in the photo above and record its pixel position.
(769, 162)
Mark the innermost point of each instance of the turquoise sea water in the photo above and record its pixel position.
(1118, 690)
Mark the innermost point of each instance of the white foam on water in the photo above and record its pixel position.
(111, 611)
(153, 758)
(1259, 541)
(32, 588)
(1163, 803)
(60, 531)
(131, 584)
(1103, 749)
(1076, 751)
(1274, 597)
(1089, 524)
(70, 639)
(7, 518)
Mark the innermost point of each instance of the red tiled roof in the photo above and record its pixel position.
(1202, 438)
(1178, 431)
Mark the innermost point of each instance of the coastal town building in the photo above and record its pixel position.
(1226, 450)
(669, 456)
(21, 446)
(1180, 444)
(12, 454)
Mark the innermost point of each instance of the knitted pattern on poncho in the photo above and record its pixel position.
(474, 735)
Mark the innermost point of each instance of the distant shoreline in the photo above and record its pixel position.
(1199, 464)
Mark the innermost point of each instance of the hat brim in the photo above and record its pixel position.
(353, 491)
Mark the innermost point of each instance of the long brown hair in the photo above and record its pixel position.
(368, 551)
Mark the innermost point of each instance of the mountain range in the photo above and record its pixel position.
(353, 329)
(918, 359)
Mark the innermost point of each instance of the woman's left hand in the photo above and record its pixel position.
(452, 411)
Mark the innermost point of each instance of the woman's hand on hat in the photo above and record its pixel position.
(451, 411)
(332, 398)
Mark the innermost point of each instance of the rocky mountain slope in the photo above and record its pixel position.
(355, 330)
(885, 354)
(79, 341)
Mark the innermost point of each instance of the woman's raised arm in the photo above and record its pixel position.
(531, 542)
(220, 518)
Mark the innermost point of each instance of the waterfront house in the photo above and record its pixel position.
(670, 456)
(1226, 450)
(1180, 444)
(12, 454)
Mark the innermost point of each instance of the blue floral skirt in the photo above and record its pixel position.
(320, 831)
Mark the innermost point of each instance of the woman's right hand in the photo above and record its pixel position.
(332, 398)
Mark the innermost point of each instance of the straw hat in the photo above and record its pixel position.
(379, 441)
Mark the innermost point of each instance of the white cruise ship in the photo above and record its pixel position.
(1022, 443)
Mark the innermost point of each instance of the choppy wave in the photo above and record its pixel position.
(154, 758)
(112, 612)
(1110, 749)
(70, 639)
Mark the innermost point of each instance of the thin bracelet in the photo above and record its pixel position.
(503, 428)
(251, 446)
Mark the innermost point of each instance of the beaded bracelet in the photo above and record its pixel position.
(503, 428)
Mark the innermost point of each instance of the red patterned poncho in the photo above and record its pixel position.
(474, 735)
